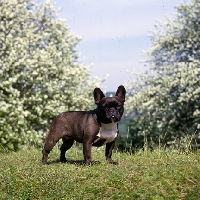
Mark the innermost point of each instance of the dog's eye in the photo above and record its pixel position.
(118, 107)
(103, 106)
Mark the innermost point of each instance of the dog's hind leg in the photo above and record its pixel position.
(67, 144)
(50, 142)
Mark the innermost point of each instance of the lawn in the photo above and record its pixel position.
(143, 175)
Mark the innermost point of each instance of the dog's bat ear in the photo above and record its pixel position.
(121, 92)
(98, 95)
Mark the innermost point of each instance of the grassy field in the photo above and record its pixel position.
(144, 175)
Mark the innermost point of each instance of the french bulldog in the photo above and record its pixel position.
(92, 128)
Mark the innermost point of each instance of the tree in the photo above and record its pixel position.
(164, 103)
(40, 72)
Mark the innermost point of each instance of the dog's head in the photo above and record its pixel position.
(110, 109)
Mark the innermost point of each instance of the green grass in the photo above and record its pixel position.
(144, 175)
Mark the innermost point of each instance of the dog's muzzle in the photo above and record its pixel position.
(113, 118)
(113, 115)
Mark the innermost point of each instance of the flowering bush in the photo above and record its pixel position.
(164, 103)
(40, 75)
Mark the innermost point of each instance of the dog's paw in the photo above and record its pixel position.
(111, 161)
(45, 163)
(63, 160)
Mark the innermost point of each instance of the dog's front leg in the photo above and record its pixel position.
(109, 147)
(87, 147)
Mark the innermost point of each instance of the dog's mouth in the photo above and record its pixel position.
(113, 118)
(113, 115)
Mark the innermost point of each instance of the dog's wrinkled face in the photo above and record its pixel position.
(110, 108)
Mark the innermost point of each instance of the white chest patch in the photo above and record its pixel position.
(108, 132)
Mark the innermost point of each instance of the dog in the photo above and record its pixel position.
(92, 128)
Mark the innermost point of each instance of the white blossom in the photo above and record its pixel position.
(165, 102)
(40, 72)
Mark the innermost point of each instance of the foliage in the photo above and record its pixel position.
(164, 103)
(145, 175)
(40, 73)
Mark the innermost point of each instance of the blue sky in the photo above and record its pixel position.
(114, 33)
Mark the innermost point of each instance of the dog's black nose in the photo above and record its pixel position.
(112, 110)
(112, 114)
